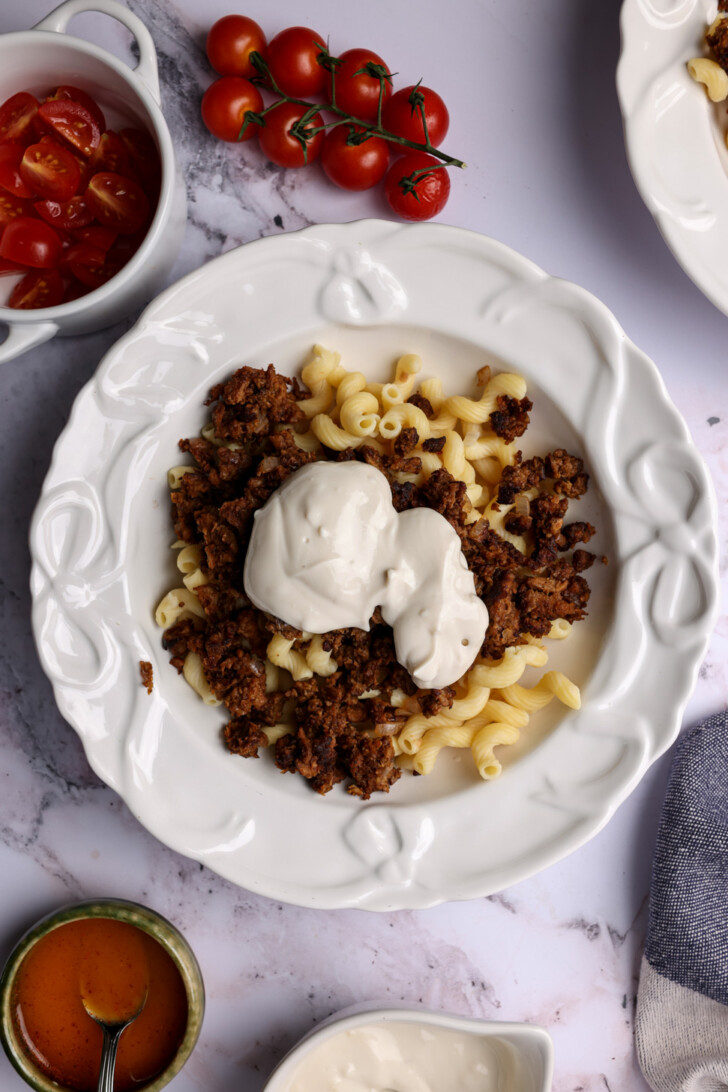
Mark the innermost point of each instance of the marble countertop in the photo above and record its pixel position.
(534, 114)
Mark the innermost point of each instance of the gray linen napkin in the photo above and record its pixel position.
(682, 1003)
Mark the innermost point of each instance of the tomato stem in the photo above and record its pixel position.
(377, 129)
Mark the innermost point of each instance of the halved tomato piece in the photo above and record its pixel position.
(117, 202)
(17, 115)
(39, 288)
(111, 154)
(12, 207)
(73, 123)
(86, 263)
(144, 159)
(66, 215)
(50, 171)
(97, 235)
(10, 180)
(31, 242)
(66, 91)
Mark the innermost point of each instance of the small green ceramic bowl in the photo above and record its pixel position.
(132, 914)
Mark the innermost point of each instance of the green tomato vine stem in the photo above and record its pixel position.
(374, 130)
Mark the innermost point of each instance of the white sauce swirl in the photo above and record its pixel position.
(409, 1057)
(328, 547)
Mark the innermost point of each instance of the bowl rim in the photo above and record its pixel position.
(163, 139)
(131, 913)
(519, 1033)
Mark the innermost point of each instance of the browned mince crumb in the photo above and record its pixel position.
(422, 403)
(147, 674)
(717, 39)
(213, 508)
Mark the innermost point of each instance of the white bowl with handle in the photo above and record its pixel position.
(45, 57)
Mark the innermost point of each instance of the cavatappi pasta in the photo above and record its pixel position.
(491, 706)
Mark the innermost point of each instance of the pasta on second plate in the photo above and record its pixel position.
(456, 453)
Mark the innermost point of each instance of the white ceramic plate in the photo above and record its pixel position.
(373, 290)
(675, 136)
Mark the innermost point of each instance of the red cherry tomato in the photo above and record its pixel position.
(31, 242)
(357, 92)
(75, 94)
(417, 186)
(65, 215)
(278, 137)
(17, 115)
(50, 171)
(352, 163)
(145, 160)
(230, 42)
(118, 203)
(225, 104)
(402, 114)
(73, 123)
(110, 154)
(12, 207)
(10, 180)
(293, 60)
(86, 263)
(40, 288)
(101, 237)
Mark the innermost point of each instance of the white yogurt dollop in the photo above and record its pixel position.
(329, 547)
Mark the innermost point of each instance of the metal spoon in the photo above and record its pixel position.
(112, 1033)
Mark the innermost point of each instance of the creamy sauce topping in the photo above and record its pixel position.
(329, 547)
(402, 1057)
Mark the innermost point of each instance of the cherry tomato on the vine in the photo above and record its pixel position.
(279, 141)
(352, 162)
(293, 59)
(357, 92)
(230, 42)
(225, 104)
(402, 114)
(417, 186)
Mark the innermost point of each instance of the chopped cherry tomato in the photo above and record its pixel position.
(8, 268)
(225, 104)
(417, 186)
(66, 91)
(12, 207)
(73, 123)
(144, 160)
(358, 81)
(98, 236)
(118, 203)
(230, 42)
(353, 160)
(17, 115)
(110, 154)
(85, 262)
(66, 215)
(293, 59)
(402, 114)
(40, 288)
(285, 141)
(50, 171)
(31, 242)
(10, 180)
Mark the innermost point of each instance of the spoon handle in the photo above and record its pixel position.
(108, 1057)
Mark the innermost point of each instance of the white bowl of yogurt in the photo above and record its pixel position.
(366, 1049)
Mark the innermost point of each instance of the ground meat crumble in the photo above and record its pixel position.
(213, 508)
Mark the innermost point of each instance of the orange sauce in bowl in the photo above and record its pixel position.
(114, 967)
